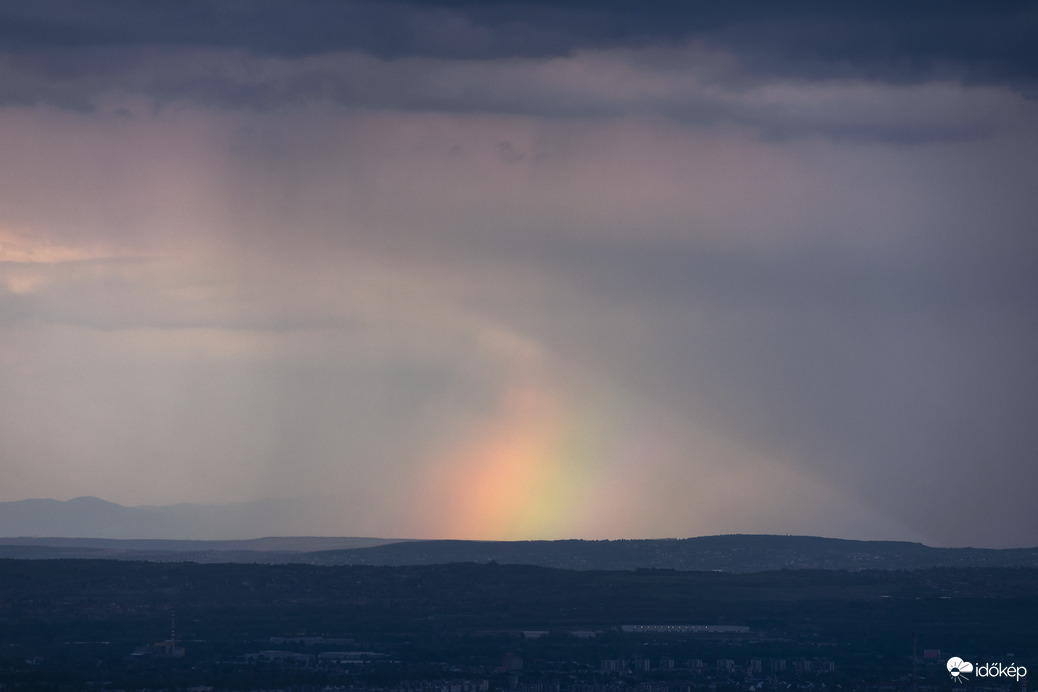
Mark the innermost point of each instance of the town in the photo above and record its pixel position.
(120, 625)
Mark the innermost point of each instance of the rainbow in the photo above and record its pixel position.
(542, 467)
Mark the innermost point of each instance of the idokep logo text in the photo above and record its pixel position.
(958, 669)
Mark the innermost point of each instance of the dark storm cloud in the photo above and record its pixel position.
(489, 58)
(902, 42)
(597, 85)
(699, 65)
(386, 29)
(891, 41)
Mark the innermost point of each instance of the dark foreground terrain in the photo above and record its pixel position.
(86, 624)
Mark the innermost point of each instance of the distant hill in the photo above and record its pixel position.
(736, 553)
(88, 527)
(732, 553)
(91, 517)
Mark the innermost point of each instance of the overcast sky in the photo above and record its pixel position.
(510, 270)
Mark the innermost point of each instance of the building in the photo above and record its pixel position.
(166, 649)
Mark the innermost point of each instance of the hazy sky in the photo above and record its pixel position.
(568, 269)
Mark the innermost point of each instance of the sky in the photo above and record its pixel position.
(526, 270)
